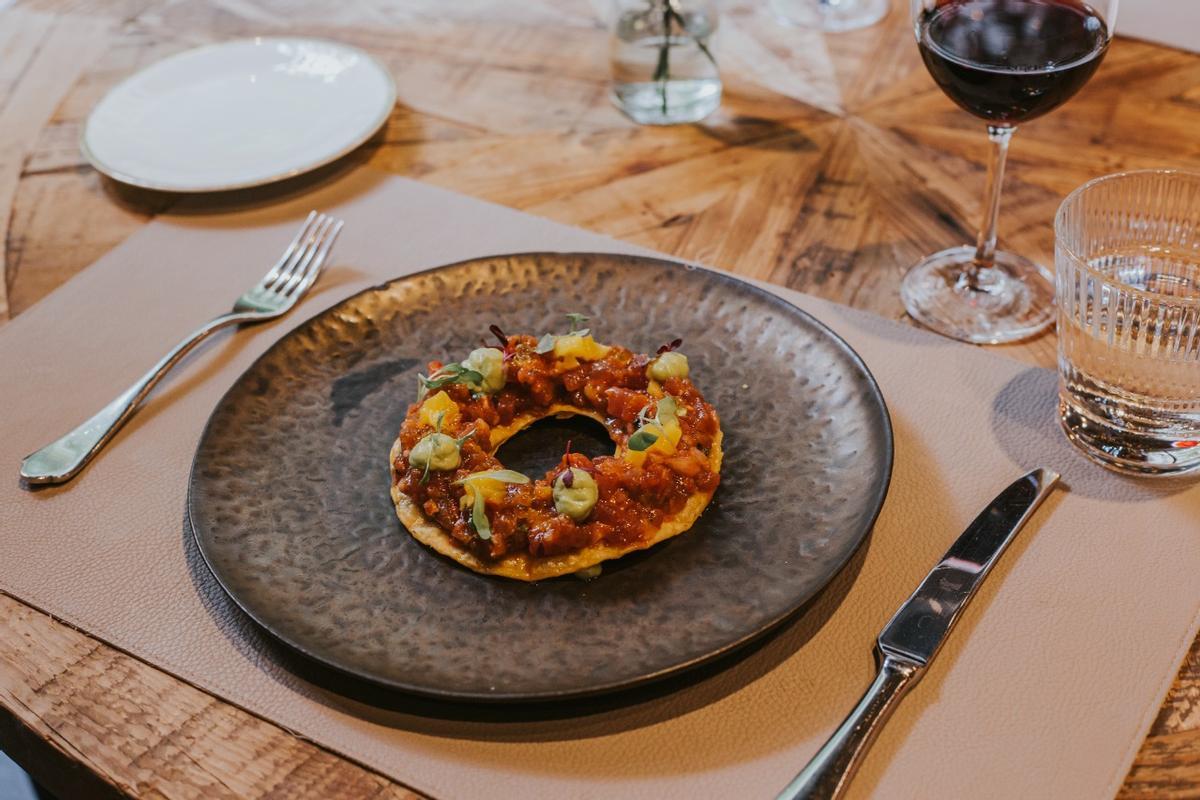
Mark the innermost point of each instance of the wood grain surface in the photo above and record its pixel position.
(833, 164)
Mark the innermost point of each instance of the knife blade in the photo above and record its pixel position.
(913, 636)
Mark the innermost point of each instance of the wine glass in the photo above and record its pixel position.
(830, 15)
(1006, 62)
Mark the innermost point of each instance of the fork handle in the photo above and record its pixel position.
(63, 458)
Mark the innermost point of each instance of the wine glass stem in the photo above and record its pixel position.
(985, 247)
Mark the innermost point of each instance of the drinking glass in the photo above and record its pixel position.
(1127, 256)
(1006, 62)
(834, 16)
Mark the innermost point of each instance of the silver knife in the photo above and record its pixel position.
(915, 634)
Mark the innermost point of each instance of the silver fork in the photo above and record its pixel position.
(273, 296)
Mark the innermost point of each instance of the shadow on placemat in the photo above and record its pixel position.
(1025, 424)
(1024, 421)
(611, 713)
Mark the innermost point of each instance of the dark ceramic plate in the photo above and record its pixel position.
(289, 490)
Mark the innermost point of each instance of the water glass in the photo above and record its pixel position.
(1127, 253)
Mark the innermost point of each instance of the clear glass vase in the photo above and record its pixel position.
(834, 16)
(663, 68)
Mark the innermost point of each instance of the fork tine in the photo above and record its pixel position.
(286, 274)
(310, 251)
(301, 234)
(314, 269)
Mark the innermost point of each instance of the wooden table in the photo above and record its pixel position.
(833, 164)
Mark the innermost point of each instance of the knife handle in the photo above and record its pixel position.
(830, 770)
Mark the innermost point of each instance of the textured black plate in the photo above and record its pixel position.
(289, 490)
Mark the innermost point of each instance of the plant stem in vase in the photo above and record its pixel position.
(664, 71)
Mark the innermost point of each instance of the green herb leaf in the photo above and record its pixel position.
(479, 518)
(643, 439)
(451, 373)
(547, 342)
(577, 321)
(478, 511)
(502, 475)
(667, 407)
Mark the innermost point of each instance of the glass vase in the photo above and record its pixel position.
(834, 16)
(663, 68)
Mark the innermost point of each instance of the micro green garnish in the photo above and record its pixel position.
(577, 321)
(478, 511)
(667, 407)
(479, 517)
(644, 438)
(672, 345)
(451, 373)
(499, 334)
(546, 343)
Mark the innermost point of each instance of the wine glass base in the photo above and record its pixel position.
(833, 16)
(1012, 300)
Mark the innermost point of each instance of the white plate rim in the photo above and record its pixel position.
(132, 180)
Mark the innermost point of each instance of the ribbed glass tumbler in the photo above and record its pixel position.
(1127, 257)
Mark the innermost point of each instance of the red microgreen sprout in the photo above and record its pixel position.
(672, 345)
(568, 477)
(499, 334)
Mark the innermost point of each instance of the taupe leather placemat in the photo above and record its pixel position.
(1045, 690)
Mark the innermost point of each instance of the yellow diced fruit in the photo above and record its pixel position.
(673, 433)
(490, 488)
(669, 435)
(438, 404)
(581, 348)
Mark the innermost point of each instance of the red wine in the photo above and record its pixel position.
(1008, 61)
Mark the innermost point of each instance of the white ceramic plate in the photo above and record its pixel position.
(238, 114)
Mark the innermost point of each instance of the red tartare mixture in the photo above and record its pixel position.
(638, 492)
